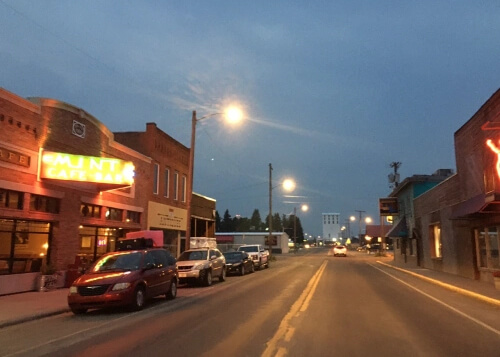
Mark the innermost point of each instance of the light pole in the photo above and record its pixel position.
(288, 185)
(304, 208)
(233, 115)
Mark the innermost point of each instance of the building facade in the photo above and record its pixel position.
(331, 227)
(69, 188)
(406, 243)
(459, 220)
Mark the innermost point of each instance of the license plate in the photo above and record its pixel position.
(182, 275)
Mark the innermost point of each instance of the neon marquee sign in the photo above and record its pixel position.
(68, 167)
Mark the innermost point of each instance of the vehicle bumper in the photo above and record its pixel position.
(109, 299)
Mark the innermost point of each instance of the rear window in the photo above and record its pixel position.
(253, 248)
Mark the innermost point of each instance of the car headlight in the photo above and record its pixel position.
(198, 266)
(236, 264)
(120, 286)
(73, 290)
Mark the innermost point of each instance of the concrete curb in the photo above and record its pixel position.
(468, 293)
(33, 317)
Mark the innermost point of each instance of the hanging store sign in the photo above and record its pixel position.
(68, 167)
(388, 206)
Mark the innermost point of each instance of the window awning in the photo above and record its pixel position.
(483, 203)
(400, 229)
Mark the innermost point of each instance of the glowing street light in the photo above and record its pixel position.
(288, 185)
(232, 115)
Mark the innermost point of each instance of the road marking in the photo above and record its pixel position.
(285, 330)
(463, 314)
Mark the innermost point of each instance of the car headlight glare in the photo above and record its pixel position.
(73, 290)
(120, 286)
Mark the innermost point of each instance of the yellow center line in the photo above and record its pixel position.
(285, 330)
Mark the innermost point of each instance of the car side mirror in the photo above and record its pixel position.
(149, 266)
(213, 257)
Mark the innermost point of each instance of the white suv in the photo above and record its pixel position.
(201, 265)
(259, 255)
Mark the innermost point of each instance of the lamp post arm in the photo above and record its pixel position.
(270, 236)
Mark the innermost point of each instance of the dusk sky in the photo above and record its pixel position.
(332, 91)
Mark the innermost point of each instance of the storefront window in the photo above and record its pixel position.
(133, 216)
(493, 247)
(96, 241)
(23, 245)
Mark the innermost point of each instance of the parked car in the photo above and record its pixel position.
(258, 254)
(238, 262)
(201, 265)
(340, 250)
(125, 278)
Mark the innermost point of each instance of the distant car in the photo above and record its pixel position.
(362, 248)
(238, 262)
(201, 265)
(340, 250)
(125, 278)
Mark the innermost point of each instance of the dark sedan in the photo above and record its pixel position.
(238, 262)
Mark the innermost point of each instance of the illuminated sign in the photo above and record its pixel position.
(68, 167)
(496, 150)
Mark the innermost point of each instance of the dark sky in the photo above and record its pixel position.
(333, 91)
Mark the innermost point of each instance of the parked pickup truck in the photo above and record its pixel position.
(259, 255)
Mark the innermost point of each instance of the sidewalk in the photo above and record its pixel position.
(19, 308)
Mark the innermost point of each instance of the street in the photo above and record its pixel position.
(308, 304)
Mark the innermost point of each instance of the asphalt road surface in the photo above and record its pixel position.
(307, 304)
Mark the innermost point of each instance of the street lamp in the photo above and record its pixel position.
(288, 185)
(304, 208)
(232, 115)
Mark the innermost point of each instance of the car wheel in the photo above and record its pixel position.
(172, 292)
(242, 270)
(252, 268)
(260, 265)
(267, 264)
(139, 298)
(208, 277)
(77, 311)
(222, 276)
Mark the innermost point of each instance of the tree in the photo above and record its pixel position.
(218, 222)
(256, 221)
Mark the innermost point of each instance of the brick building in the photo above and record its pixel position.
(69, 188)
(458, 221)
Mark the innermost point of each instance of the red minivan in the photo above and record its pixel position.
(125, 278)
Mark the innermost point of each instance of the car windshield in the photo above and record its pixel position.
(249, 249)
(193, 255)
(340, 247)
(121, 262)
(233, 255)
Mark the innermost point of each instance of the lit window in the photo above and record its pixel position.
(435, 241)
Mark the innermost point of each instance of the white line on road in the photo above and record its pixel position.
(488, 327)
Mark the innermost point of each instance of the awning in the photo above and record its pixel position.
(480, 204)
(399, 229)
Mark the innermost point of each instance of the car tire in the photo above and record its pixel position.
(139, 298)
(252, 268)
(78, 311)
(207, 279)
(222, 276)
(242, 269)
(172, 291)
(260, 265)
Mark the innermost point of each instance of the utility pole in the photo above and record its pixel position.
(270, 236)
(359, 224)
(395, 165)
